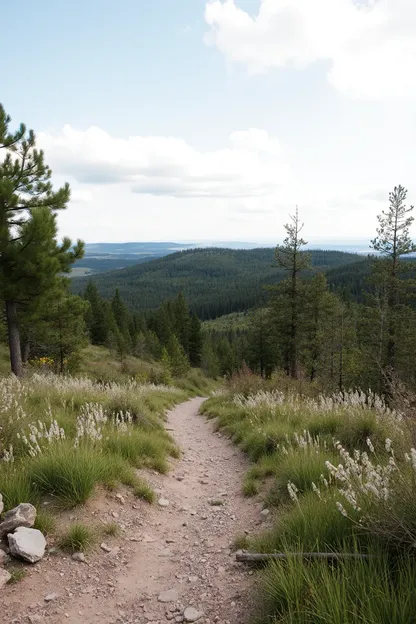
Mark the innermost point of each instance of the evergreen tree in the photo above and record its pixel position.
(182, 321)
(122, 318)
(392, 242)
(179, 363)
(293, 260)
(195, 341)
(210, 363)
(30, 257)
(262, 354)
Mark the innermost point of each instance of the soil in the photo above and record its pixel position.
(183, 546)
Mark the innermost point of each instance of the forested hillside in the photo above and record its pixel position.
(214, 281)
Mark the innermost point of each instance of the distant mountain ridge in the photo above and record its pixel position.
(215, 281)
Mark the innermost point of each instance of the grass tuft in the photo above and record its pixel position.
(143, 490)
(16, 575)
(111, 528)
(78, 538)
(45, 522)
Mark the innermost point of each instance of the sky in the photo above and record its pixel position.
(212, 120)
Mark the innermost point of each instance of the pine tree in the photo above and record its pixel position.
(122, 318)
(179, 362)
(210, 363)
(262, 356)
(182, 321)
(392, 242)
(195, 341)
(30, 256)
(293, 260)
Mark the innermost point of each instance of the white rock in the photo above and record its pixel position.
(24, 515)
(265, 512)
(192, 615)
(4, 577)
(1, 504)
(121, 498)
(170, 595)
(51, 597)
(104, 547)
(163, 502)
(29, 544)
(79, 556)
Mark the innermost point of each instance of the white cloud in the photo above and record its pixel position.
(251, 165)
(369, 45)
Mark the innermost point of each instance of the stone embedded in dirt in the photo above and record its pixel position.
(179, 478)
(79, 556)
(265, 512)
(28, 544)
(24, 515)
(105, 548)
(192, 615)
(163, 502)
(1, 504)
(4, 577)
(51, 597)
(170, 595)
(121, 498)
(3, 557)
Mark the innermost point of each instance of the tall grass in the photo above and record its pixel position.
(338, 470)
(61, 437)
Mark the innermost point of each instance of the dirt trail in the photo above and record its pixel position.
(182, 547)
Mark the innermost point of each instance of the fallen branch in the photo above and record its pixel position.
(247, 557)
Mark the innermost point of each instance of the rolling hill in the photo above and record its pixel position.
(215, 281)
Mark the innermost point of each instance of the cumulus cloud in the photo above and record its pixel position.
(251, 165)
(369, 46)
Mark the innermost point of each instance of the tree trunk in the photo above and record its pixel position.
(26, 352)
(14, 338)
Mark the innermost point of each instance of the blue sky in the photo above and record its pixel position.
(191, 119)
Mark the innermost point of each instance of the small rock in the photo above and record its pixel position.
(51, 597)
(104, 547)
(115, 514)
(163, 502)
(265, 512)
(24, 515)
(192, 615)
(120, 498)
(79, 556)
(1, 504)
(170, 595)
(179, 478)
(5, 577)
(29, 544)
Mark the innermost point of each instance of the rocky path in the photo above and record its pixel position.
(172, 561)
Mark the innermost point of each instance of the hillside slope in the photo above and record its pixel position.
(214, 281)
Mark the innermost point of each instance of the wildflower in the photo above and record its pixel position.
(341, 509)
(293, 490)
(370, 445)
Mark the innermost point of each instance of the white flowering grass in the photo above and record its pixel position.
(62, 436)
